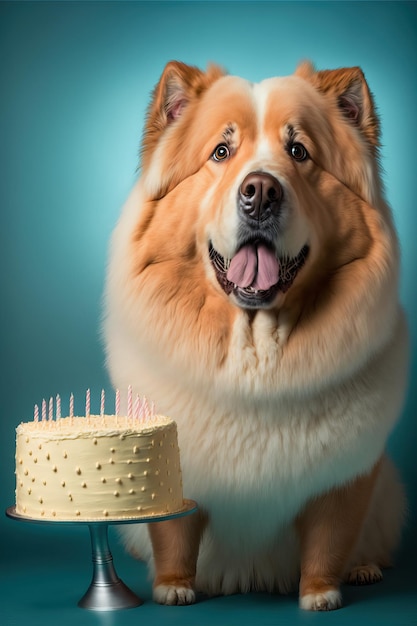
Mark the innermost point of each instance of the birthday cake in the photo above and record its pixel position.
(98, 467)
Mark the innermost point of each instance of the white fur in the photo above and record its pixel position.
(326, 601)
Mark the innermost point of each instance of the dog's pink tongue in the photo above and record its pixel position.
(254, 266)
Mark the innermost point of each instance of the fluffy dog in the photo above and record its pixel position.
(253, 293)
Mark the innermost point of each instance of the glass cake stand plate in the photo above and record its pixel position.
(107, 592)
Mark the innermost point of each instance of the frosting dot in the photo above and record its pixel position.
(54, 469)
(95, 441)
(78, 470)
(118, 480)
(139, 508)
(153, 496)
(143, 488)
(40, 446)
(145, 473)
(65, 454)
(54, 513)
(41, 500)
(20, 461)
(77, 513)
(35, 460)
(30, 453)
(29, 491)
(84, 485)
(111, 461)
(112, 450)
(130, 475)
(129, 461)
(131, 491)
(116, 493)
(70, 496)
(98, 466)
(44, 482)
(105, 513)
(136, 449)
(48, 456)
(63, 483)
(103, 480)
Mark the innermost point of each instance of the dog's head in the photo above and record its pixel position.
(261, 162)
(261, 201)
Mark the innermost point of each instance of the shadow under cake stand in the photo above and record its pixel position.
(107, 592)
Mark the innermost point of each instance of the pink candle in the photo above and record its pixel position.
(137, 407)
(71, 406)
(58, 407)
(102, 401)
(146, 412)
(87, 403)
(36, 413)
(129, 401)
(117, 407)
(51, 410)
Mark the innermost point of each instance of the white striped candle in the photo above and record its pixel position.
(117, 403)
(102, 402)
(129, 402)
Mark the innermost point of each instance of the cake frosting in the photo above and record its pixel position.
(98, 467)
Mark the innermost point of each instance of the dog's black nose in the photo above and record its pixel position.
(260, 195)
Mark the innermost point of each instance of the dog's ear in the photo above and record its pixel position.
(178, 87)
(349, 89)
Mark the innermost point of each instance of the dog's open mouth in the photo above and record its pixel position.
(255, 275)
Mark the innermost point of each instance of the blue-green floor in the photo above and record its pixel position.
(44, 572)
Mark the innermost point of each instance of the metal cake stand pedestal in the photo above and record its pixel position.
(107, 592)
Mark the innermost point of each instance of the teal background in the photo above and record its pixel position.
(75, 83)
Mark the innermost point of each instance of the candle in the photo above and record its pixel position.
(51, 409)
(43, 410)
(117, 408)
(137, 407)
(129, 401)
(71, 406)
(87, 403)
(58, 407)
(102, 401)
(36, 413)
(146, 409)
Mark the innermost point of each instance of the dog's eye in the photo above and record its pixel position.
(298, 152)
(221, 152)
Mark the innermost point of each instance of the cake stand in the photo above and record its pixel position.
(107, 592)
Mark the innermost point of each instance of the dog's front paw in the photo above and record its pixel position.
(172, 594)
(322, 601)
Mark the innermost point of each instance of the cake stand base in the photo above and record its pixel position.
(106, 591)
